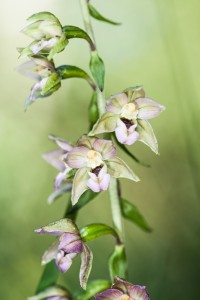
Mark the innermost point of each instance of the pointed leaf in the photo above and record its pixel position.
(118, 263)
(59, 46)
(57, 194)
(94, 231)
(93, 112)
(131, 213)
(123, 147)
(76, 32)
(97, 69)
(93, 287)
(51, 292)
(96, 15)
(67, 71)
(59, 227)
(52, 81)
(118, 168)
(49, 277)
(86, 266)
(107, 123)
(146, 135)
(43, 16)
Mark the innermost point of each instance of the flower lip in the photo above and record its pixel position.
(97, 170)
(125, 297)
(128, 123)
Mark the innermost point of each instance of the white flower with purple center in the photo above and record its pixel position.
(96, 162)
(66, 247)
(124, 290)
(127, 114)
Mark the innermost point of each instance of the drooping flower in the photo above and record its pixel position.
(56, 159)
(123, 290)
(127, 114)
(47, 34)
(42, 70)
(96, 162)
(52, 293)
(68, 245)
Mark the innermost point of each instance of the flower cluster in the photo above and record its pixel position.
(127, 114)
(95, 162)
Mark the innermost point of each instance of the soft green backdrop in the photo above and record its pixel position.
(156, 46)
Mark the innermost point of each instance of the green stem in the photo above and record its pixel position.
(113, 188)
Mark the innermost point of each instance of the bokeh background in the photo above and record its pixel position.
(157, 46)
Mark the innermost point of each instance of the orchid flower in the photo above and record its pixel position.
(42, 70)
(96, 162)
(56, 159)
(127, 114)
(123, 290)
(67, 247)
(47, 33)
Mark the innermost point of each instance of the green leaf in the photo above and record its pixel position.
(131, 213)
(93, 112)
(59, 46)
(97, 69)
(43, 16)
(49, 277)
(68, 71)
(86, 266)
(53, 81)
(96, 15)
(94, 287)
(57, 194)
(51, 292)
(94, 231)
(72, 32)
(118, 263)
(123, 147)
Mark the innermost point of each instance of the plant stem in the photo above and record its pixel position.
(113, 189)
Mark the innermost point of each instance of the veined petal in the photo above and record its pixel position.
(33, 31)
(50, 28)
(138, 292)
(28, 69)
(70, 243)
(86, 266)
(60, 177)
(118, 168)
(111, 294)
(86, 141)
(53, 158)
(122, 285)
(79, 184)
(134, 93)
(148, 109)
(77, 157)
(116, 102)
(105, 147)
(146, 135)
(51, 253)
(63, 144)
(107, 123)
(59, 227)
(44, 44)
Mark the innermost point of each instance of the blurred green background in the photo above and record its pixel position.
(156, 46)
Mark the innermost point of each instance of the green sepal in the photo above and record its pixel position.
(131, 213)
(68, 71)
(93, 112)
(117, 262)
(49, 276)
(94, 231)
(72, 32)
(97, 69)
(96, 15)
(94, 287)
(134, 92)
(86, 266)
(66, 187)
(44, 16)
(51, 83)
(51, 291)
(59, 46)
(123, 147)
